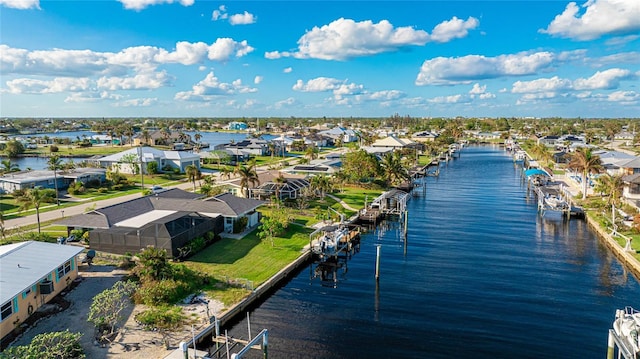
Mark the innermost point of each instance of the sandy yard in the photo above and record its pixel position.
(133, 341)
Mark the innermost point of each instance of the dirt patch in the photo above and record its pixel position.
(70, 311)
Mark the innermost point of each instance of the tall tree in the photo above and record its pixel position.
(54, 164)
(248, 176)
(192, 173)
(34, 197)
(585, 162)
(394, 170)
(612, 187)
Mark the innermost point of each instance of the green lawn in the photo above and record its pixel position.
(355, 196)
(248, 258)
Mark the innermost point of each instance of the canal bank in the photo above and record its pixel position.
(480, 265)
(623, 256)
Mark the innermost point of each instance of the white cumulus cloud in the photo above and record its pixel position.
(258, 79)
(453, 29)
(465, 69)
(21, 4)
(624, 97)
(319, 84)
(210, 87)
(56, 85)
(345, 38)
(142, 81)
(596, 19)
(541, 85)
(141, 4)
(287, 70)
(288, 102)
(245, 18)
(608, 79)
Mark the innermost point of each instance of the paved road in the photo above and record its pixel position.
(75, 210)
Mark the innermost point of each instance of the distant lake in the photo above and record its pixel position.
(39, 163)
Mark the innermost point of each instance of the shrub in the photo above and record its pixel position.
(51, 345)
(152, 167)
(53, 148)
(163, 317)
(240, 224)
(103, 190)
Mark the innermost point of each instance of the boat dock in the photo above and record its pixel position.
(393, 202)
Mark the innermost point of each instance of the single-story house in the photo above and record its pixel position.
(340, 133)
(167, 220)
(424, 136)
(31, 274)
(47, 179)
(268, 186)
(316, 167)
(252, 146)
(238, 126)
(393, 142)
(173, 159)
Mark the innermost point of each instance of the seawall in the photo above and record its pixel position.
(627, 260)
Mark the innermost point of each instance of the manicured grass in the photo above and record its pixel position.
(355, 196)
(248, 258)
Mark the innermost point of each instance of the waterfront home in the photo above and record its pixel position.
(129, 161)
(616, 162)
(31, 274)
(424, 136)
(340, 134)
(631, 189)
(237, 126)
(250, 146)
(316, 167)
(168, 220)
(392, 143)
(47, 179)
(268, 185)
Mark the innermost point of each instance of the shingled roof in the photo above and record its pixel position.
(172, 200)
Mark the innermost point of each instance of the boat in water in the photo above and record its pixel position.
(556, 203)
(625, 334)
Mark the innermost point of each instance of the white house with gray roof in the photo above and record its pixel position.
(129, 160)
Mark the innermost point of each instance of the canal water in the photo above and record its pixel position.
(483, 275)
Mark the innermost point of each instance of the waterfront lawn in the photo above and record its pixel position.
(355, 196)
(247, 259)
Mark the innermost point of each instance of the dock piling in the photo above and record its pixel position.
(377, 262)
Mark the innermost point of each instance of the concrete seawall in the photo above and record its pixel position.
(627, 260)
(263, 290)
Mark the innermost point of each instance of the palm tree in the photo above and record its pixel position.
(322, 184)
(34, 197)
(279, 181)
(248, 176)
(394, 170)
(584, 161)
(8, 166)
(54, 164)
(311, 152)
(192, 173)
(612, 187)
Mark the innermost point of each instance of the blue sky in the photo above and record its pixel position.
(197, 58)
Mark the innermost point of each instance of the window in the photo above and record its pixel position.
(6, 310)
(64, 269)
(26, 293)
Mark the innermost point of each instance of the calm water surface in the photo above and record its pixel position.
(484, 276)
